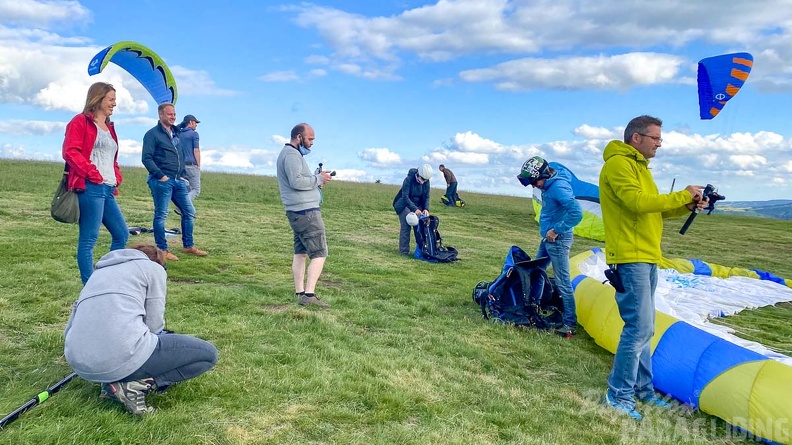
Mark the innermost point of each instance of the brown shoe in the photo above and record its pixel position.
(194, 251)
(170, 257)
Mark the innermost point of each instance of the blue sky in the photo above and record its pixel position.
(479, 85)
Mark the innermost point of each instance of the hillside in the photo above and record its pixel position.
(777, 208)
(401, 357)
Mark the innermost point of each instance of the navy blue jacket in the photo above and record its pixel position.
(161, 155)
(412, 195)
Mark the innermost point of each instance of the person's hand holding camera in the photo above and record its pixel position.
(326, 176)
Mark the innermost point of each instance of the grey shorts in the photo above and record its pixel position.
(309, 233)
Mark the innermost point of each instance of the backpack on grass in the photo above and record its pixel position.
(429, 243)
(522, 294)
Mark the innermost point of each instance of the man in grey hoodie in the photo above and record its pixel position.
(116, 332)
(299, 190)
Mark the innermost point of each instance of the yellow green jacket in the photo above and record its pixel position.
(632, 209)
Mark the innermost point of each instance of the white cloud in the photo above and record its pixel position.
(129, 147)
(452, 29)
(472, 142)
(588, 132)
(197, 83)
(42, 13)
(24, 128)
(280, 76)
(380, 156)
(620, 72)
(352, 175)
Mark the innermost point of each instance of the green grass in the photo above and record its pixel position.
(402, 357)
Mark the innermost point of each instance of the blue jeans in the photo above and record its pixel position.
(558, 252)
(451, 194)
(631, 375)
(176, 358)
(98, 206)
(163, 192)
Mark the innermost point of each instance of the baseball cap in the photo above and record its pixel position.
(190, 117)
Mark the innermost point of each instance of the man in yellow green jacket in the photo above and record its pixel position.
(633, 212)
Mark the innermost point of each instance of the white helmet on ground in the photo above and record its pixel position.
(425, 171)
(412, 219)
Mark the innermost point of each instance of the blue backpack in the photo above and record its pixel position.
(522, 294)
(429, 245)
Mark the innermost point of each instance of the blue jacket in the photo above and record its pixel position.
(161, 155)
(560, 210)
(412, 195)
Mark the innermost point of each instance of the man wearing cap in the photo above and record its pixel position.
(192, 154)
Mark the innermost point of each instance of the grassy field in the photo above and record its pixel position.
(401, 357)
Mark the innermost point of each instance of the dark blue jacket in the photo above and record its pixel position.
(412, 195)
(161, 155)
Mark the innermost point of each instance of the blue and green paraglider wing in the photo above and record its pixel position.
(719, 79)
(587, 195)
(143, 64)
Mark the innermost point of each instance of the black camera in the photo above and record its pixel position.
(332, 173)
(712, 197)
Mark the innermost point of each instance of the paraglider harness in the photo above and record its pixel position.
(459, 202)
(429, 245)
(522, 294)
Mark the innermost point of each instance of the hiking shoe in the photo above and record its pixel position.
(622, 408)
(655, 401)
(194, 251)
(130, 394)
(170, 257)
(566, 331)
(306, 300)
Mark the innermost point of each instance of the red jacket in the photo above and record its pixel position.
(77, 147)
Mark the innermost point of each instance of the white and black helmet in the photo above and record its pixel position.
(534, 169)
(425, 172)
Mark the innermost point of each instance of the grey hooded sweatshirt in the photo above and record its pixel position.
(114, 323)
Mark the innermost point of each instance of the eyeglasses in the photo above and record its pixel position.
(657, 139)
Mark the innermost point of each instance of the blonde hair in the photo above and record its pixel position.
(96, 93)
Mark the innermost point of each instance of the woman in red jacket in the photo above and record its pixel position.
(91, 153)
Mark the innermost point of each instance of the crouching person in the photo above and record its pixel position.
(116, 332)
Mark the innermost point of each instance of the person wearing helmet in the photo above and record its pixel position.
(633, 213)
(412, 197)
(558, 218)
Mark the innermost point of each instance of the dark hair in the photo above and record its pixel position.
(153, 252)
(639, 125)
(298, 129)
(441, 166)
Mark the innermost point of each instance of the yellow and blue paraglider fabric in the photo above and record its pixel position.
(699, 363)
(587, 195)
(143, 64)
(719, 79)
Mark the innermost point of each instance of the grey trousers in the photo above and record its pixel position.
(193, 175)
(404, 233)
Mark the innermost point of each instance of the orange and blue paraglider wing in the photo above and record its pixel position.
(143, 64)
(719, 79)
